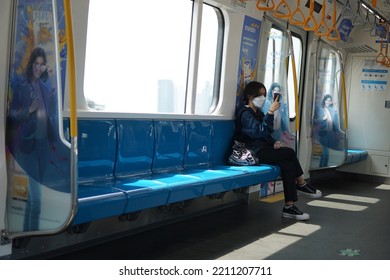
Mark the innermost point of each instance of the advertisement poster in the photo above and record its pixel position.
(248, 55)
(38, 161)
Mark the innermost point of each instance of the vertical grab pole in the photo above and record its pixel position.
(345, 113)
(72, 95)
(71, 69)
(344, 92)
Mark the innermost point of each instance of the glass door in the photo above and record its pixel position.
(329, 143)
(40, 199)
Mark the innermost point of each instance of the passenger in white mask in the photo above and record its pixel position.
(259, 101)
(255, 128)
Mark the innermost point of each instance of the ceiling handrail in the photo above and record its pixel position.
(334, 30)
(310, 18)
(266, 7)
(323, 23)
(299, 12)
(278, 14)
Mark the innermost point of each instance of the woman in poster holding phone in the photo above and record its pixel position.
(329, 134)
(281, 119)
(31, 120)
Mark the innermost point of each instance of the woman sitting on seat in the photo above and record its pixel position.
(255, 128)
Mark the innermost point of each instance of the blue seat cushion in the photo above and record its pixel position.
(355, 155)
(99, 200)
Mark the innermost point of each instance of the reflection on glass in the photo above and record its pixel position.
(281, 129)
(329, 134)
(278, 81)
(329, 143)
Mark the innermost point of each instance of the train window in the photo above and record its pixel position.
(141, 64)
(209, 48)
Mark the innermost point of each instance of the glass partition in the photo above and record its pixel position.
(279, 82)
(329, 140)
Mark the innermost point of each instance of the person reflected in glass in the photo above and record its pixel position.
(328, 133)
(254, 127)
(32, 114)
(281, 120)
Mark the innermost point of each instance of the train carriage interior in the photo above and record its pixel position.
(118, 119)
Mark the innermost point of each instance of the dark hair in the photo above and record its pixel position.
(324, 99)
(252, 90)
(37, 52)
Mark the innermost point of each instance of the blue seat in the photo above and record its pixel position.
(97, 198)
(355, 155)
(135, 148)
(130, 165)
(253, 174)
(97, 149)
(142, 193)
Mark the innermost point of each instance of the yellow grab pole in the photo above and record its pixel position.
(71, 68)
(295, 92)
(345, 99)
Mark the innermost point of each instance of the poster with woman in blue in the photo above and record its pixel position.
(37, 154)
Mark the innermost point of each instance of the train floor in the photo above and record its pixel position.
(350, 221)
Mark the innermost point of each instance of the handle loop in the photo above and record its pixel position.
(310, 18)
(278, 12)
(262, 5)
(298, 12)
(323, 24)
(334, 34)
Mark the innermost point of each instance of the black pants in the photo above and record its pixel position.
(290, 167)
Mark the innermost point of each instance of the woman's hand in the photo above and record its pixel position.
(275, 105)
(277, 145)
(34, 105)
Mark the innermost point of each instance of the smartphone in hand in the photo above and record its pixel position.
(276, 96)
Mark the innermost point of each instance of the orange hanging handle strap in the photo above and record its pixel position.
(278, 10)
(374, 3)
(380, 56)
(334, 30)
(298, 12)
(310, 18)
(262, 5)
(323, 23)
(386, 59)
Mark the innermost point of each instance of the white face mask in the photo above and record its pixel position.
(259, 101)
